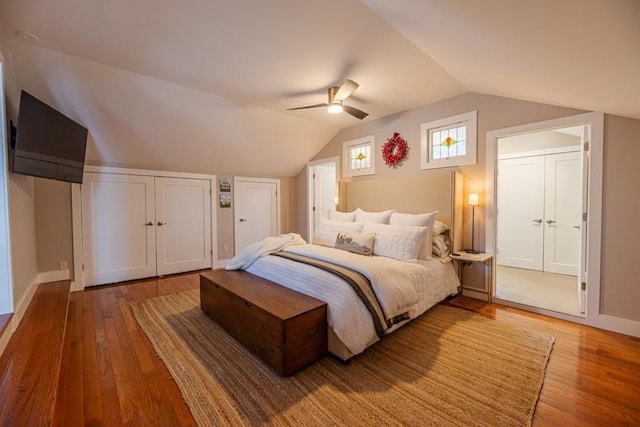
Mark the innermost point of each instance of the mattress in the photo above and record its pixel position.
(401, 287)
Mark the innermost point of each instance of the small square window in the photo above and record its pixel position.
(449, 142)
(358, 156)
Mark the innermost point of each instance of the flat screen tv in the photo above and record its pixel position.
(48, 144)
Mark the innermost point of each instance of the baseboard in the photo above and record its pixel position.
(19, 310)
(53, 276)
(219, 263)
(616, 324)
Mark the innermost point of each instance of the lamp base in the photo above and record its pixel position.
(471, 251)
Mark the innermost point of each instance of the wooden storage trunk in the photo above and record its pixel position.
(286, 329)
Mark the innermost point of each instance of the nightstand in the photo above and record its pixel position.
(477, 285)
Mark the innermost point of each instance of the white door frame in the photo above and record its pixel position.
(6, 274)
(76, 213)
(594, 220)
(335, 160)
(236, 214)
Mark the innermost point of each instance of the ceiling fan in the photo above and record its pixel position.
(335, 103)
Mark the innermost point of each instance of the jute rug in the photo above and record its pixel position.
(448, 367)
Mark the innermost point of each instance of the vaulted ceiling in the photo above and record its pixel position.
(205, 85)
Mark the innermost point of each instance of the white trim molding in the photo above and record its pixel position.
(595, 120)
(53, 276)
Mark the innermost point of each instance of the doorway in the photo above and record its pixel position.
(541, 219)
(322, 178)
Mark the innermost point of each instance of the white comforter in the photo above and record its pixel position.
(396, 283)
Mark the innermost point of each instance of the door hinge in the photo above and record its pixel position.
(313, 209)
(314, 175)
(584, 217)
(210, 192)
(210, 251)
(82, 267)
(583, 286)
(586, 146)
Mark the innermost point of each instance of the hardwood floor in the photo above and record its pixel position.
(109, 374)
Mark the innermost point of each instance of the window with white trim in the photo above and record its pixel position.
(358, 156)
(449, 142)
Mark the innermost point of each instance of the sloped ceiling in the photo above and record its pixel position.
(204, 85)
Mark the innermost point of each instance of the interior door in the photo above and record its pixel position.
(256, 210)
(324, 193)
(582, 279)
(563, 212)
(520, 212)
(183, 224)
(118, 228)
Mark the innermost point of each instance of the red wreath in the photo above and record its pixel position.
(395, 151)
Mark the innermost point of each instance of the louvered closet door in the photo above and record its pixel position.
(118, 221)
(183, 224)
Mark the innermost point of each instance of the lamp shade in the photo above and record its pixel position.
(473, 199)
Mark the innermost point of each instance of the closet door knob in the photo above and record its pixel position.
(162, 223)
(149, 224)
(243, 219)
(539, 220)
(550, 221)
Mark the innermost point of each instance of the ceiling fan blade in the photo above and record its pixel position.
(308, 106)
(359, 114)
(345, 91)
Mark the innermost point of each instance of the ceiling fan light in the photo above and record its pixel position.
(335, 108)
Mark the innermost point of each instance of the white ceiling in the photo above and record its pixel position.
(204, 85)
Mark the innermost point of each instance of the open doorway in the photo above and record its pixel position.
(541, 219)
(322, 176)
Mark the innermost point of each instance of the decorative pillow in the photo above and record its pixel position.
(358, 243)
(439, 227)
(441, 245)
(342, 216)
(327, 230)
(418, 220)
(396, 241)
(379, 217)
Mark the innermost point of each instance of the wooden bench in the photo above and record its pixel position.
(286, 329)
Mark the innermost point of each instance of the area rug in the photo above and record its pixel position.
(448, 367)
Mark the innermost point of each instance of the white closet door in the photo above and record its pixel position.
(563, 207)
(118, 221)
(521, 212)
(324, 193)
(256, 210)
(183, 224)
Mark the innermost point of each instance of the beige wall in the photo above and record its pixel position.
(23, 235)
(53, 224)
(620, 293)
(493, 113)
(620, 274)
(22, 228)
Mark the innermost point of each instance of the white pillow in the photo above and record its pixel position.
(439, 227)
(418, 220)
(327, 230)
(358, 243)
(379, 217)
(441, 245)
(396, 241)
(342, 216)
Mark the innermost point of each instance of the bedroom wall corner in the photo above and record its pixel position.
(619, 290)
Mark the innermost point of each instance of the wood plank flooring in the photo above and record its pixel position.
(109, 374)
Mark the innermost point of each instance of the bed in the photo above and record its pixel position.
(404, 287)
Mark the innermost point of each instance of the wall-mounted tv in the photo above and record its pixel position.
(48, 144)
